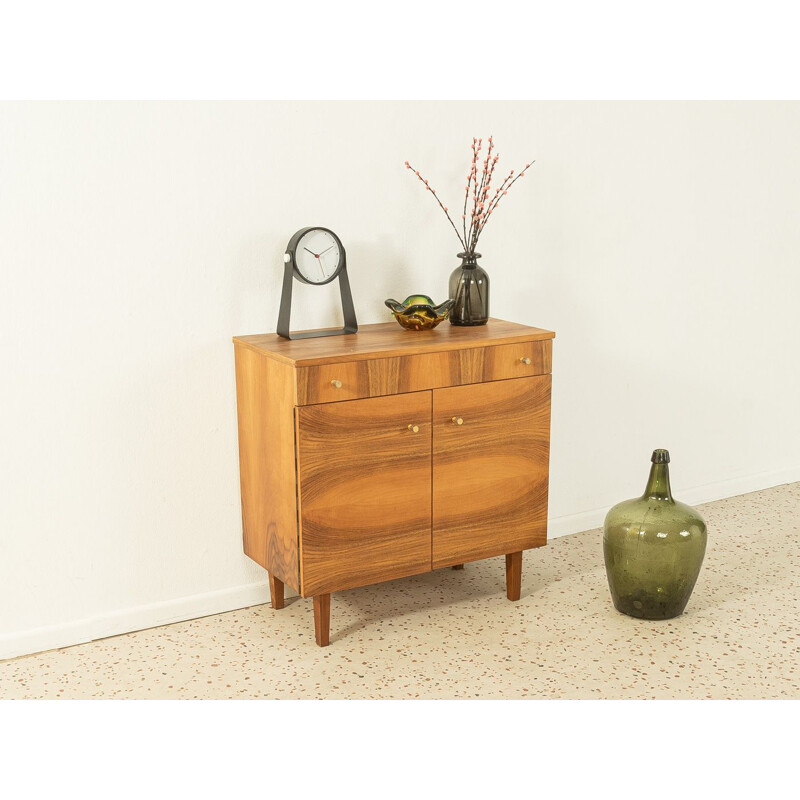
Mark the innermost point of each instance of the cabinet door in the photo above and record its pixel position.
(490, 471)
(364, 491)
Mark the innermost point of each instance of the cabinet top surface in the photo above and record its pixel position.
(388, 339)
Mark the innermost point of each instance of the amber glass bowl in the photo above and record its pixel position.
(418, 313)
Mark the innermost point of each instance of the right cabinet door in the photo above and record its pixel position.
(491, 449)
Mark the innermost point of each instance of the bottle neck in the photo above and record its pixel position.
(658, 487)
(469, 260)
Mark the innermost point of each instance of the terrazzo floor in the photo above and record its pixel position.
(453, 634)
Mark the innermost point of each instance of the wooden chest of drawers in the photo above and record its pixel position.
(388, 453)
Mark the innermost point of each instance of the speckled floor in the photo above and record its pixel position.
(452, 634)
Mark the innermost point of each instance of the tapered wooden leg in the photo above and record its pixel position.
(513, 575)
(322, 619)
(458, 566)
(275, 591)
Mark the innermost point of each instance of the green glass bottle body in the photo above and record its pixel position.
(653, 548)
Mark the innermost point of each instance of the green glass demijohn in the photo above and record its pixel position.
(653, 547)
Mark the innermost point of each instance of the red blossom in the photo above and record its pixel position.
(482, 208)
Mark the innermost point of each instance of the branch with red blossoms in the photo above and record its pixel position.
(486, 181)
(472, 175)
(433, 192)
(482, 206)
(501, 192)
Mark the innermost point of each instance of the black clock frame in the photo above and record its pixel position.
(291, 271)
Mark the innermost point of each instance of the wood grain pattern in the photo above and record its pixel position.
(511, 361)
(370, 479)
(275, 592)
(387, 340)
(365, 491)
(328, 383)
(265, 394)
(490, 474)
(513, 575)
(322, 619)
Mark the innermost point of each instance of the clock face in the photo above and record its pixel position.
(318, 256)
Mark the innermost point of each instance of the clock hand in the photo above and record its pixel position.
(319, 259)
(311, 251)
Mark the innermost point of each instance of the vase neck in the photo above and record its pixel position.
(469, 260)
(658, 487)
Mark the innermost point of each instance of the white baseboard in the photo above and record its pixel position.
(138, 618)
(586, 520)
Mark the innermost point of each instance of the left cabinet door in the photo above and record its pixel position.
(364, 475)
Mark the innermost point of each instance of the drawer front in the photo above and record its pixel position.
(352, 380)
(521, 360)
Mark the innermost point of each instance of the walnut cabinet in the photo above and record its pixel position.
(388, 453)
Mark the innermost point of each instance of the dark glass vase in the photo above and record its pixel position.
(653, 547)
(469, 288)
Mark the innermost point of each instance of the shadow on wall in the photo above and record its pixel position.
(377, 271)
(254, 285)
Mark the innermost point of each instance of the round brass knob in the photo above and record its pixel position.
(336, 384)
(414, 428)
(525, 360)
(458, 420)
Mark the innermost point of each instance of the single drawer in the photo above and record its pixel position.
(377, 377)
(516, 360)
(328, 383)
(352, 380)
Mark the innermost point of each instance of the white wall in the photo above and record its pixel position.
(659, 240)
